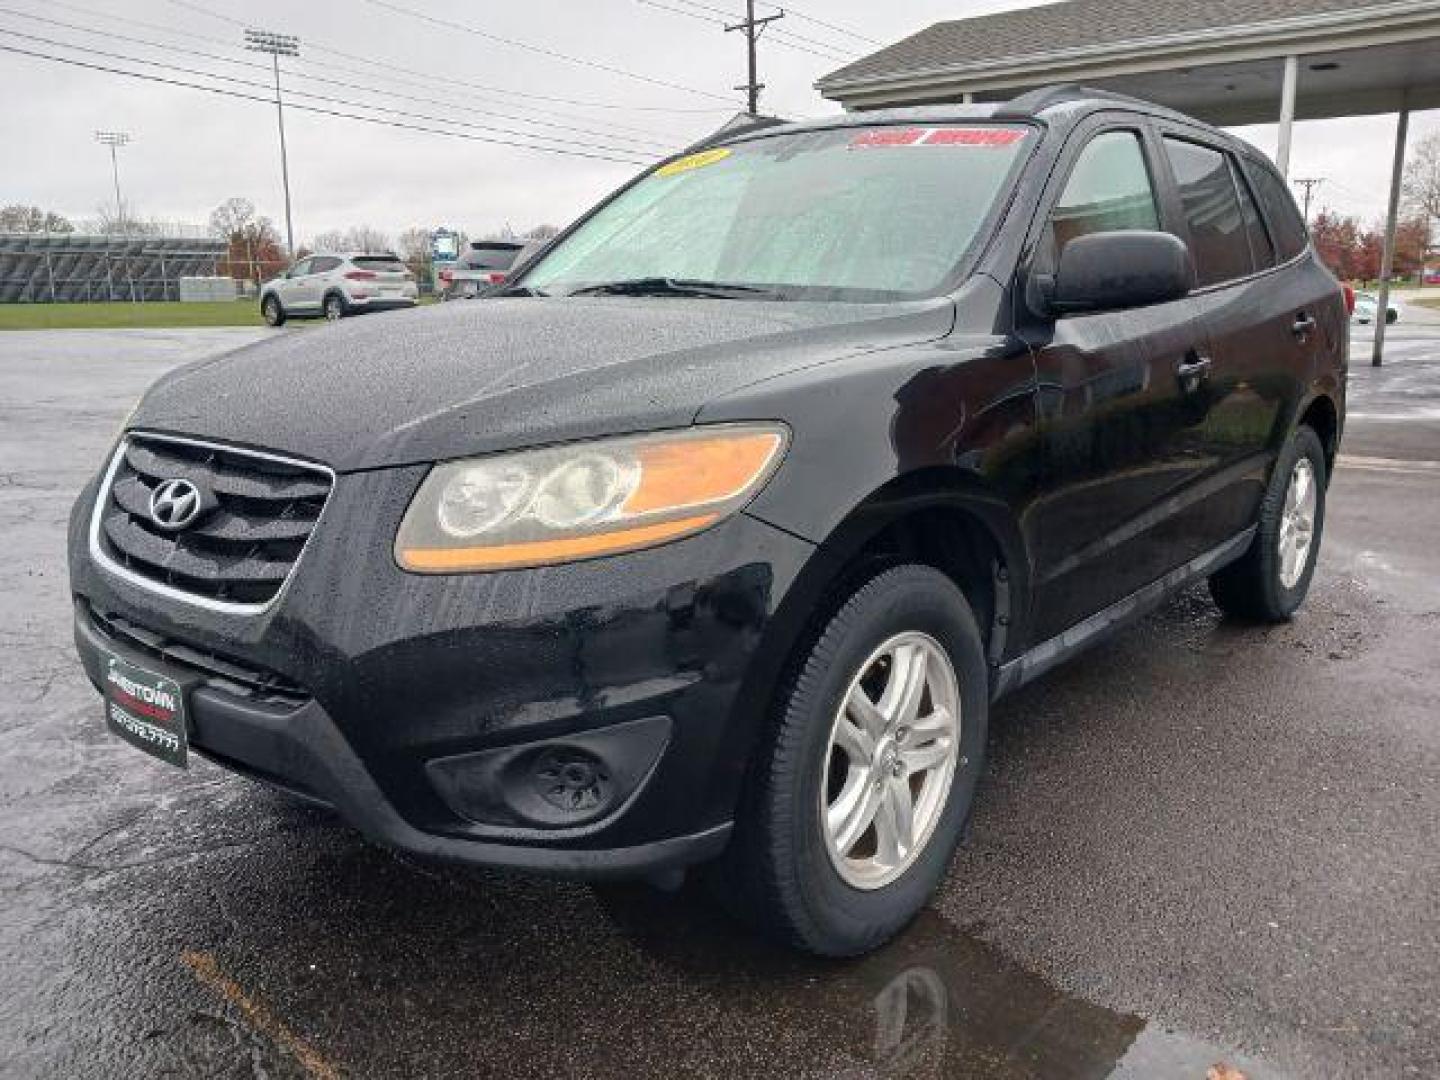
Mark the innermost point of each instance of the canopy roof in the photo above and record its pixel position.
(1216, 60)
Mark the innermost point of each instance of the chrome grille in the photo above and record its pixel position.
(260, 511)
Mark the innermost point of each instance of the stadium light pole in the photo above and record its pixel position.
(115, 139)
(278, 45)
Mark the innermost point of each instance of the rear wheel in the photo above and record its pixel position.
(1269, 582)
(272, 311)
(334, 307)
(863, 789)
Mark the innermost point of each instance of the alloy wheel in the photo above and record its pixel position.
(890, 760)
(1297, 523)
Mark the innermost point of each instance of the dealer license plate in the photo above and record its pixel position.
(145, 709)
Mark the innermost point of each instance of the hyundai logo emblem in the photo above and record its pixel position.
(175, 503)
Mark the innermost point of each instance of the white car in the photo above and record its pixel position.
(1366, 304)
(336, 285)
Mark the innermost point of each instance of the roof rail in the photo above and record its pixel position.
(741, 123)
(1033, 102)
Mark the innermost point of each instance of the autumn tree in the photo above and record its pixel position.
(253, 250)
(1336, 240)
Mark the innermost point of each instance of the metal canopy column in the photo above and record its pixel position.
(1287, 114)
(1392, 213)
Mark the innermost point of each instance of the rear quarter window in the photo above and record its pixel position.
(1286, 225)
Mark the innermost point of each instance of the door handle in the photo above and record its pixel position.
(1302, 325)
(1194, 367)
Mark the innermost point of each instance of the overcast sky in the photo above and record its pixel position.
(192, 149)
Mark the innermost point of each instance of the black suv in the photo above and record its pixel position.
(712, 537)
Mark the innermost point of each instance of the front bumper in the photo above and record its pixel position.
(423, 709)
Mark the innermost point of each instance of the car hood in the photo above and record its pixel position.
(485, 375)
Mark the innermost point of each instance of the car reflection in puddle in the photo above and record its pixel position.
(935, 1002)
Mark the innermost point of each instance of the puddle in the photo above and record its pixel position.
(937, 1002)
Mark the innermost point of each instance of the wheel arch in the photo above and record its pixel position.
(1322, 415)
(938, 516)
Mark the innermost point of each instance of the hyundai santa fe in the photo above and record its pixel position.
(709, 541)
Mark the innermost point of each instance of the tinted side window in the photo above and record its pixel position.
(1108, 189)
(1285, 222)
(1260, 245)
(1217, 233)
(301, 268)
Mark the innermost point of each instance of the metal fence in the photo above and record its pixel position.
(51, 267)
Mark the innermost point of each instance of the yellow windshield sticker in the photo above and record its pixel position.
(693, 161)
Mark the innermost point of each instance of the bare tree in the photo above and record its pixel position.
(330, 241)
(231, 217)
(1422, 177)
(414, 251)
(367, 238)
(32, 219)
(542, 232)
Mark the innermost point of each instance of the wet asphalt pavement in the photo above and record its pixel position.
(1197, 843)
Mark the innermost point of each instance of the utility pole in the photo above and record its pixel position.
(114, 139)
(753, 28)
(278, 45)
(1309, 183)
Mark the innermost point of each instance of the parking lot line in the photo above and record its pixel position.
(259, 1016)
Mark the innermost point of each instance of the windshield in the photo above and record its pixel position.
(875, 213)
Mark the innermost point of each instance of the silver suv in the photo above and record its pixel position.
(336, 285)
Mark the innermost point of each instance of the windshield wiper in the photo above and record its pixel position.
(668, 286)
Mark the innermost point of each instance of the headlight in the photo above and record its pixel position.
(563, 503)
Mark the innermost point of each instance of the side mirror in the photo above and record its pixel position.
(1124, 269)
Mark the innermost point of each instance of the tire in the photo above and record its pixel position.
(781, 872)
(1392, 317)
(334, 307)
(272, 311)
(1260, 586)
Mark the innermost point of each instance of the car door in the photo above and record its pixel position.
(324, 275)
(1118, 412)
(291, 287)
(1262, 331)
(310, 285)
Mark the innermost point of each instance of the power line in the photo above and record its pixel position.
(792, 10)
(554, 54)
(427, 76)
(221, 91)
(314, 97)
(319, 97)
(648, 137)
(783, 38)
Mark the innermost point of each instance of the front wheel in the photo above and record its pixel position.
(865, 784)
(1270, 581)
(271, 311)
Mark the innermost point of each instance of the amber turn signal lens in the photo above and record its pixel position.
(550, 552)
(699, 471)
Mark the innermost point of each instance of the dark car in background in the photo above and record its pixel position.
(482, 266)
(709, 540)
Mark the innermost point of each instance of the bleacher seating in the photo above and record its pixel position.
(48, 267)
